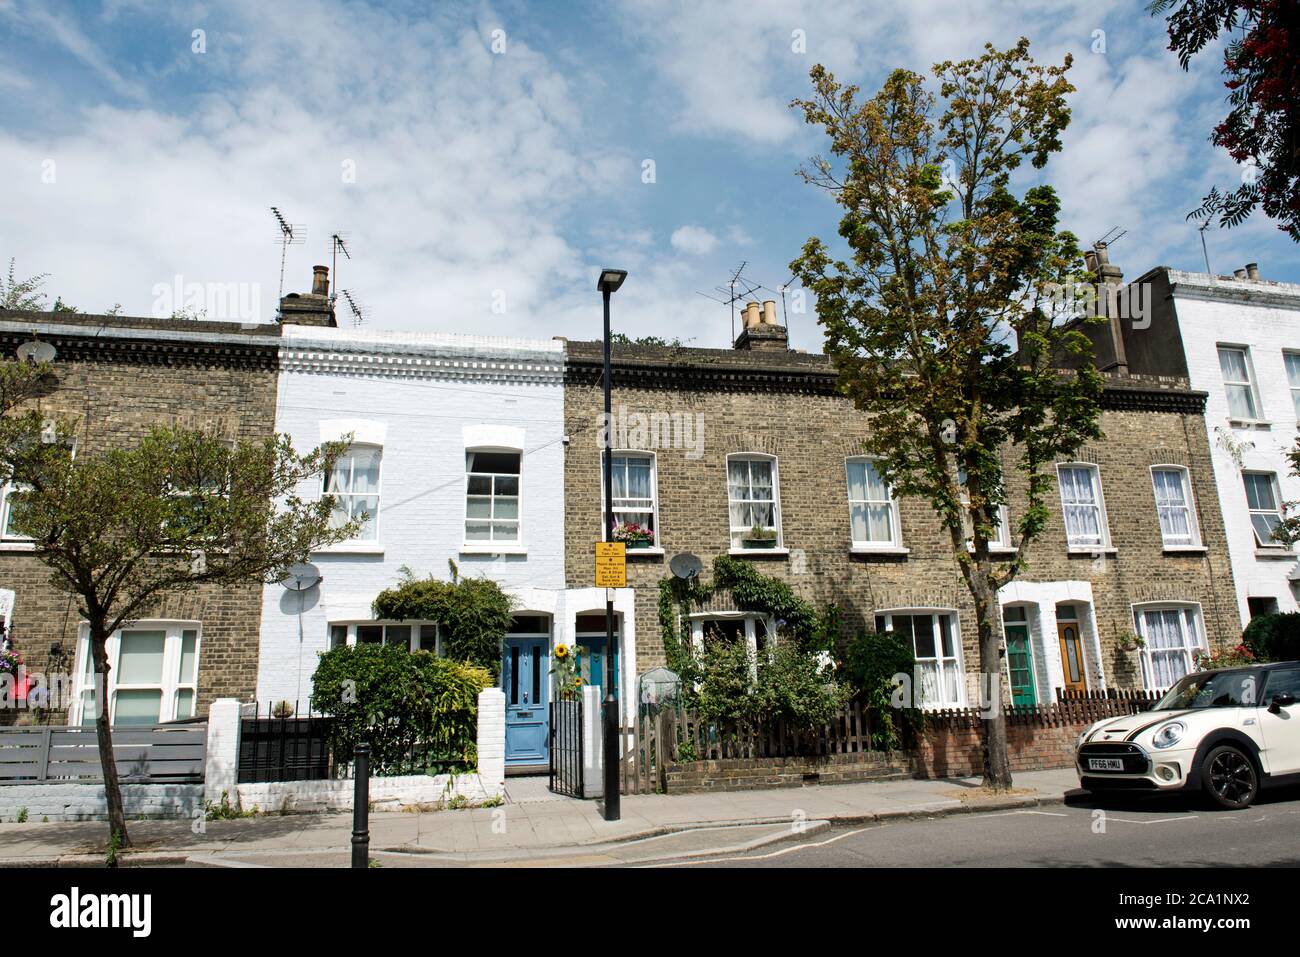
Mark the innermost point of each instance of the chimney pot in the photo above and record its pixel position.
(1239, 273)
(1103, 253)
(751, 315)
(1252, 270)
(769, 312)
(320, 280)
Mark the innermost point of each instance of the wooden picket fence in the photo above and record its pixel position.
(1070, 707)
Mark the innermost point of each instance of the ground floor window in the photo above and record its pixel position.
(413, 636)
(937, 646)
(1173, 635)
(153, 674)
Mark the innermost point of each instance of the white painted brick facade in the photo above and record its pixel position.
(1264, 317)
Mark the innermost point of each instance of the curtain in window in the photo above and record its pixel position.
(633, 495)
(1167, 646)
(1080, 504)
(1236, 379)
(1171, 505)
(870, 509)
(750, 484)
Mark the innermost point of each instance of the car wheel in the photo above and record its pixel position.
(1228, 778)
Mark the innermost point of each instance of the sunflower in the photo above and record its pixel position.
(561, 651)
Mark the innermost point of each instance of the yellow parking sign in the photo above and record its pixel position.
(611, 565)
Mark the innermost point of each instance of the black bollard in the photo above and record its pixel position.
(361, 807)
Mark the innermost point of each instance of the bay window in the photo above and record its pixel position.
(936, 644)
(153, 674)
(1173, 493)
(492, 479)
(1173, 636)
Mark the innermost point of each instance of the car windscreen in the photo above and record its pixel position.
(1214, 689)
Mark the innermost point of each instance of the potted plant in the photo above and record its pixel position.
(759, 537)
(633, 535)
(1129, 641)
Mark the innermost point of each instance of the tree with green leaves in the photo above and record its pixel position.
(18, 293)
(1288, 530)
(944, 318)
(122, 528)
(1261, 69)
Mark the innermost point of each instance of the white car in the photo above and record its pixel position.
(1227, 733)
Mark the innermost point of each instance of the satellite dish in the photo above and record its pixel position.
(35, 352)
(686, 566)
(302, 576)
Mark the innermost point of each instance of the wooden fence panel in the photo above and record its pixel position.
(154, 754)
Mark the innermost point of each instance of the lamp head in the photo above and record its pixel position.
(610, 280)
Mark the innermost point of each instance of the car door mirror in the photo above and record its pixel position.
(1281, 701)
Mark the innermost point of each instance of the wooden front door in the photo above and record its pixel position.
(1020, 665)
(1071, 655)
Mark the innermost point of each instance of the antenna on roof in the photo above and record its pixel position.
(729, 292)
(1111, 236)
(337, 245)
(291, 234)
(1205, 250)
(358, 311)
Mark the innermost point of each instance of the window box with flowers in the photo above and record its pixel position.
(633, 535)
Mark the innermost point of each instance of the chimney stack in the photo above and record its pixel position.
(1239, 273)
(1252, 270)
(760, 332)
(1110, 281)
(313, 308)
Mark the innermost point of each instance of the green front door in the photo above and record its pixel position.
(1020, 664)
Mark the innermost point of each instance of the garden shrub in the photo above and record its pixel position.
(872, 661)
(418, 712)
(1274, 637)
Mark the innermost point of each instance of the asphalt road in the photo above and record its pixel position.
(1085, 832)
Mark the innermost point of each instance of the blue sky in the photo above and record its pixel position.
(488, 185)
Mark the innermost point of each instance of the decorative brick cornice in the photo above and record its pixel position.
(144, 351)
(398, 365)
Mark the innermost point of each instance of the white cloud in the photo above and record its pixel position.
(694, 240)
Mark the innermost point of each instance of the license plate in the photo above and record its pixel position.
(1105, 764)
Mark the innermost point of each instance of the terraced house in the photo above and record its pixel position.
(116, 377)
(1129, 580)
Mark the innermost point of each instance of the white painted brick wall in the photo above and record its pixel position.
(1267, 330)
(221, 761)
(86, 802)
(385, 793)
(492, 738)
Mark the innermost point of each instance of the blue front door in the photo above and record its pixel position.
(593, 662)
(526, 681)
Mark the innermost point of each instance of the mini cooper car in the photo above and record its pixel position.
(1226, 733)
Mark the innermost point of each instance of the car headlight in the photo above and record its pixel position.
(1169, 734)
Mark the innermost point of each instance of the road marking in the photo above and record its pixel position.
(1043, 813)
(759, 857)
(1159, 820)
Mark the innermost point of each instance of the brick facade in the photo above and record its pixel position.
(784, 404)
(117, 377)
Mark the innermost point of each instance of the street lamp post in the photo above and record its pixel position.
(610, 280)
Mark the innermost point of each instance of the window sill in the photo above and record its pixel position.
(490, 549)
(879, 550)
(1092, 551)
(643, 552)
(351, 548)
(1262, 424)
(17, 546)
(759, 551)
(1185, 549)
(1279, 553)
(996, 549)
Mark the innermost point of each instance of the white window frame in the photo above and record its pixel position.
(1290, 360)
(656, 545)
(737, 534)
(1087, 548)
(1277, 509)
(757, 627)
(349, 629)
(1193, 522)
(8, 488)
(491, 544)
(1003, 542)
(1191, 626)
(377, 494)
(895, 519)
(1250, 384)
(940, 659)
(171, 683)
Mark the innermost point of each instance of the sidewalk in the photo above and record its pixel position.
(534, 822)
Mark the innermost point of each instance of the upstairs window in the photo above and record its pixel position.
(753, 501)
(492, 496)
(1081, 504)
(1262, 501)
(1292, 360)
(1234, 362)
(873, 513)
(634, 498)
(1000, 540)
(354, 483)
(1173, 494)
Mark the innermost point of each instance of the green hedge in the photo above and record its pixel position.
(1274, 637)
(418, 712)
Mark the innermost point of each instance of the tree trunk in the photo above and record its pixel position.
(993, 725)
(104, 735)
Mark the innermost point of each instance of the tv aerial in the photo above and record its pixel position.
(358, 311)
(291, 234)
(729, 294)
(686, 566)
(338, 245)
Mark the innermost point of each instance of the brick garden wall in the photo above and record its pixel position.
(956, 752)
(117, 381)
(745, 774)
